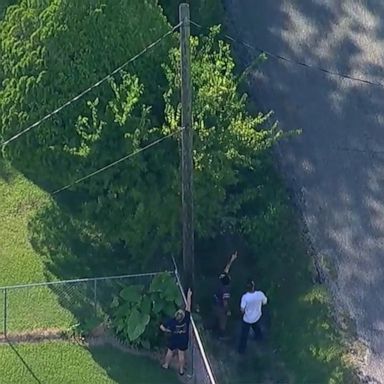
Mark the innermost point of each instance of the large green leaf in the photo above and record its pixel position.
(159, 282)
(132, 293)
(158, 304)
(165, 285)
(123, 310)
(137, 323)
(169, 309)
(146, 305)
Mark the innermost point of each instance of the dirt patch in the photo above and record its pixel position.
(100, 336)
(35, 336)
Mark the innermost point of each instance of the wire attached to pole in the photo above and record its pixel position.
(296, 62)
(115, 162)
(80, 95)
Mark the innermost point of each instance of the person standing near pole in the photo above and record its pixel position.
(250, 306)
(221, 298)
(178, 330)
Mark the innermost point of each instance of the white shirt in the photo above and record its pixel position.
(251, 303)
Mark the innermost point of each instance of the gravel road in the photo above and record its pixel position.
(337, 164)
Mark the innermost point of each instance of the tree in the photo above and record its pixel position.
(4, 5)
(229, 145)
(54, 49)
(228, 141)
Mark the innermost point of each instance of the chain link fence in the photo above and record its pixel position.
(53, 308)
(201, 370)
(58, 306)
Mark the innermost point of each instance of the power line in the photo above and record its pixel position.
(116, 162)
(79, 96)
(370, 152)
(296, 62)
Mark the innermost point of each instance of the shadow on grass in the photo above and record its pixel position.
(26, 365)
(73, 249)
(126, 368)
(6, 173)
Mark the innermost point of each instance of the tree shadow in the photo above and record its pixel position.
(6, 173)
(24, 362)
(334, 167)
(72, 248)
(124, 367)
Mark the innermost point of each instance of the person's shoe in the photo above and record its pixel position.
(164, 366)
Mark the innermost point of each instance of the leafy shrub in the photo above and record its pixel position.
(138, 310)
(83, 329)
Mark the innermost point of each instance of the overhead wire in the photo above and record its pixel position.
(86, 91)
(114, 163)
(292, 61)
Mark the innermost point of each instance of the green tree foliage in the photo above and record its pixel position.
(4, 4)
(138, 310)
(228, 142)
(53, 49)
(57, 50)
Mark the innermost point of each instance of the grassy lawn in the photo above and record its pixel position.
(66, 363)
(20, 264)
(29, 309)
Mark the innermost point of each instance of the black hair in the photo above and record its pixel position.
(224, 279)
(250, 285)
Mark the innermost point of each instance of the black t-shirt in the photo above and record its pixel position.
(223, 293)
(179, 329)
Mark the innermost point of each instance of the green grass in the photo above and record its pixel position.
(21, 202)
(66, 363)
(20, 264)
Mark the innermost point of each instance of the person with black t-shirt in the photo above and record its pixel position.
(178, 330)
(221, 298)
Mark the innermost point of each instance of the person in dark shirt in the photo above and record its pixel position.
(178, 330)
(221, 298)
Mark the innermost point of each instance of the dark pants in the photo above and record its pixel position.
(220, 319)
(245, 332)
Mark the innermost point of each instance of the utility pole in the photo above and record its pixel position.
(186, 148)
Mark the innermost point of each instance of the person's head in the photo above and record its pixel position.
(224, 279)
(250, 285)
(179, 315)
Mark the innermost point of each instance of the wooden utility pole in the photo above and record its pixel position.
(186, 148)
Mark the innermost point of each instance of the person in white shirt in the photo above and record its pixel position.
(251, 304)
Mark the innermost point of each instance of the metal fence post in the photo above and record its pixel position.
(5, 312)
(95, 296)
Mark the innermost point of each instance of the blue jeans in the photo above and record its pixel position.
(245, 327)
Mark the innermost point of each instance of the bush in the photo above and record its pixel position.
(138, 310)
(50, 52)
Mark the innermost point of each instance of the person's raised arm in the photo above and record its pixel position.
(189, 301)
(229, 264)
